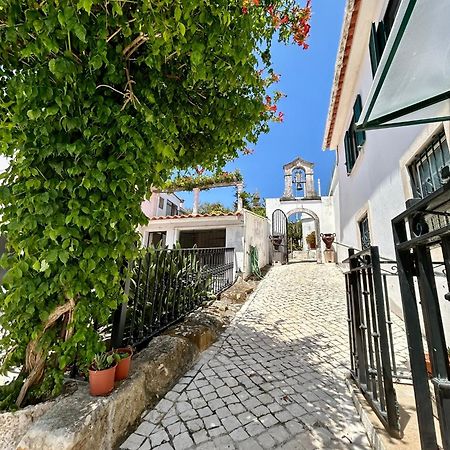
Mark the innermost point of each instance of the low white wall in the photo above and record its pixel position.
(256, 235)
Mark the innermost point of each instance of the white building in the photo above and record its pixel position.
(240, 231)
(376, 171)
(317, 212)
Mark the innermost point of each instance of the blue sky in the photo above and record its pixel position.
(306, 78)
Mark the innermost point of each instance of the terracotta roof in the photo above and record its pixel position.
(195, 216)
(348, 30)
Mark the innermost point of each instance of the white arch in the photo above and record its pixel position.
(317, 229)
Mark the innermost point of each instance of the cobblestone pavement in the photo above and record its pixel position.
(274, 379)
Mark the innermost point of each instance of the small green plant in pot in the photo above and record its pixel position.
(102, 374)
(123, 357)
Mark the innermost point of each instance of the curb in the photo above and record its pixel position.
(360, 405)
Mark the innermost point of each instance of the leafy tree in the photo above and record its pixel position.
(101, 100)
(295, 233)
(213, 208)
(252, 202)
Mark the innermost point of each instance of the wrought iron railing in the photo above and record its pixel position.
(372, 354)
(422, 234)
(166, 285)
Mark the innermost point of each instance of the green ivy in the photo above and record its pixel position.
(99, 101)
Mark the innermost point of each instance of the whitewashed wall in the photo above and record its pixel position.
(256, 235)
(323, 208)
(379, 183)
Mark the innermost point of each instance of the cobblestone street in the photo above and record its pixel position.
(274, 379)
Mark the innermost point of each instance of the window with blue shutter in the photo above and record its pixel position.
(354, 139)
(380, 32)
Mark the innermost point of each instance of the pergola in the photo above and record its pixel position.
(238, 183)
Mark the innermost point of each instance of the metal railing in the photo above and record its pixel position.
(371, 343)
(166, 285)
(422, 234)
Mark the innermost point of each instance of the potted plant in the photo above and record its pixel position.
(102, 373)
(123, 357)
(311, 240)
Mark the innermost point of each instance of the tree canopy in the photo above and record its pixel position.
(100, 100)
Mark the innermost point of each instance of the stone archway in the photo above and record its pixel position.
(314, 216)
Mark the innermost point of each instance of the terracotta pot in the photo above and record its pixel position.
(123, 366)
(101, 382)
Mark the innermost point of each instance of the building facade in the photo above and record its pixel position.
(376, 171)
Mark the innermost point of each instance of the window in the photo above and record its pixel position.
(380, 33)
(354, 140)
(364, 232)
(426, 169)
(171, 209)
(203, 238)
(161, 202)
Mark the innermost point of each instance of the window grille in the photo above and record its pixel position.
(364, 232)
(426, 169)
(161, 202)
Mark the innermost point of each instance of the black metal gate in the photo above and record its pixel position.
(280, 236)
(422, 234)
(371, 344)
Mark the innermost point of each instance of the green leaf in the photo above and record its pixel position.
(181, 28)
(96, 62)
(86, 5)
(63, 256)
(177, 13)
(80, 32)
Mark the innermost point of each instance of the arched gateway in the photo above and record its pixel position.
(301, 200)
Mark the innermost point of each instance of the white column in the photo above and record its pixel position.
(196, 200)
(309, 188)
(240, 203)
(288, 186)
(319, 188)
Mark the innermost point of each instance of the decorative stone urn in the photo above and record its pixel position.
(328, 239)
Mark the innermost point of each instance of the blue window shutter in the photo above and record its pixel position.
(360, 136)
(348, 161)
(373, 49)
(381, 39)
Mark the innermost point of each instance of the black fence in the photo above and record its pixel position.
(421, 236)
(166, 285)
(372, 352)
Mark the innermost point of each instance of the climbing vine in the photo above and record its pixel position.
(201, 180)
(99, 101)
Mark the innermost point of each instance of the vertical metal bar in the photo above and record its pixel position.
(375, 334)
(349, 323)
(361, 362)
(435, 337)
(367, 338)
(136, 299)
(120, 315)
(405, 263)
(154, 263)
(145, 297)
(389, 323)
(445, 245)
(389, 391)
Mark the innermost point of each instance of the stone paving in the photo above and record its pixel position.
(274, 379)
